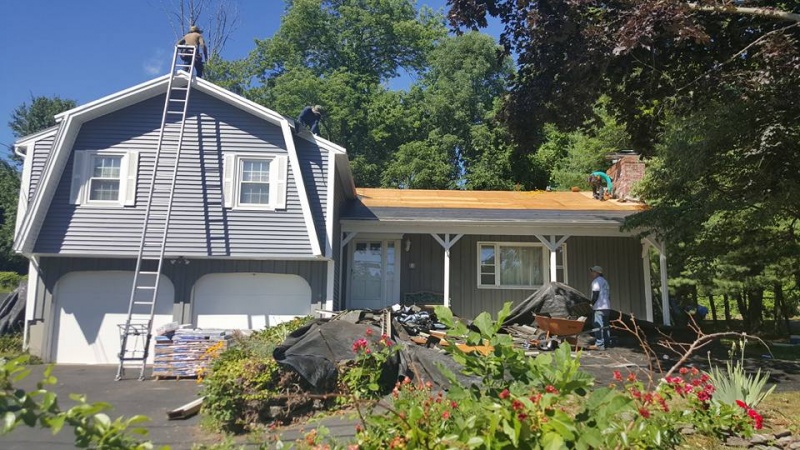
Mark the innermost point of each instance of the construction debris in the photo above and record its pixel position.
(185, 353)
(186, 411)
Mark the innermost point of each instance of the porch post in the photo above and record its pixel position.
(553, 245)
(648, 284)
(447, 243)
(662, 259)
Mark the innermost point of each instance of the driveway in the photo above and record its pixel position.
(128, 397)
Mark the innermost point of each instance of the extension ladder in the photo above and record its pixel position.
(137, 331)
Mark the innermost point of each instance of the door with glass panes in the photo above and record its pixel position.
(374, 274)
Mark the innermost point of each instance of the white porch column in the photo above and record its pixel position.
(346, 238)
(329, 288)
(446, 243)
(553, 245)
(662, 259)
(648, 284)
(662, 263)
(30, 300)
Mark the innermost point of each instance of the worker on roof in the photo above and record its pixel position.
(598, 186)
(195, 38)
(311, 116)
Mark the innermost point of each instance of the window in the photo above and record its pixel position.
(255, 182)
(510, 265)
(104, 178)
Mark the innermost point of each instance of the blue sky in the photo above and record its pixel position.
(86, 49)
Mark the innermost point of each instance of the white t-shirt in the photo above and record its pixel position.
(600, 285)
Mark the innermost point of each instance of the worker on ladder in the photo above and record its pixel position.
(195, 38)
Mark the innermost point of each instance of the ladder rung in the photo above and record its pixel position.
(177, 100)
(180, 88)
(143, 272)
(146, 287)
(174, 112)
(142, 303)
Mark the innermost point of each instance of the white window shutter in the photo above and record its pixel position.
(128, 175)
(78, 170)
(228, 171)
(281, 163)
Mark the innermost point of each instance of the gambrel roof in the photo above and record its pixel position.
(69, 126)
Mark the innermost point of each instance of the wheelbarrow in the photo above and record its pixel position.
(557, 330)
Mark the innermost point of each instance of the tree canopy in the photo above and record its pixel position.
(39, 115)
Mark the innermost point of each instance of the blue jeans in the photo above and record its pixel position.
(601, 321)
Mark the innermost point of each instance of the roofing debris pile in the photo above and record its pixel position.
(315, 350)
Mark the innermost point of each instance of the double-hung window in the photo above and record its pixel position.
(255, 182)
(104, 178)
(510, 265)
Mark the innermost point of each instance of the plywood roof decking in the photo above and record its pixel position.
(489, 200)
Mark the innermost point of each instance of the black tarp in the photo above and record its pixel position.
(553, 299)
(315, 350)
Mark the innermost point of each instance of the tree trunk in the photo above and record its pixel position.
(755, 312)
(741, 304)
(726, 303)
(781, 310)
(713, 307)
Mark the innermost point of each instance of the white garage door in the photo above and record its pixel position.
(90, 305)
(249, 300)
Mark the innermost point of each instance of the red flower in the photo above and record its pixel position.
(684, 371)
(535, 398)
(522, 416)
(453, 404)
(551, 389)
(446, 415)
(695, 371)
(756, 417)
(703, 396)
(617, 375)
(369, 331)
(359, 344)
(504, 395)
(644, 412)
(517, 405)
(742, 404)
(631, 377)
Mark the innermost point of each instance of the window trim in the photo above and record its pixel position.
(232, 181)
(497, 245)
(80, 191)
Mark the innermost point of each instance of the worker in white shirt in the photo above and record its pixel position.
(601, 303)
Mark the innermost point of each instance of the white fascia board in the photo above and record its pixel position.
(499, 228)
(330, 208)
(54, 167)
(301, 187)
(125, 96)
(239, 102)
(343, 168)
(167, 257)
(39, 135)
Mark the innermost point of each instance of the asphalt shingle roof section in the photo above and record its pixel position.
(489, 206)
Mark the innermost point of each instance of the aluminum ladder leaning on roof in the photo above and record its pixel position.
(137, 331)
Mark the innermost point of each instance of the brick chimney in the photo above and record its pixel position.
(627, 170)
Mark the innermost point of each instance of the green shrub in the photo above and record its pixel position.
(734, 383)
(243, 380)
(10, 280)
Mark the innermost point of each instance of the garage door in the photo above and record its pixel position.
(90, 305)
(249, 300)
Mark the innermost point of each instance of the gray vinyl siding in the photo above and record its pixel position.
(314, 166)
(621, 258)
(199, 224)
(40, 151)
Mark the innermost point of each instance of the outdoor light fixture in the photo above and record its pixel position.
(179, 260)
(408, 244)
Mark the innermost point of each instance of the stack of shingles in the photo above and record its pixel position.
(183, 353)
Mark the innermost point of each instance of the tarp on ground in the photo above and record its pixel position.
(553, 299)
(315, 350)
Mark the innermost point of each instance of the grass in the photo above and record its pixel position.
(11, 347)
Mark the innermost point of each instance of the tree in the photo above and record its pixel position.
(217, 18)
(9, 196)
(644, 54)
(28, 119)
(341, 54)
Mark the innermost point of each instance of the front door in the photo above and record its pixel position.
(374, 280)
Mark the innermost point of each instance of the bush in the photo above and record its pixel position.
(243, 381)
(10, 280)
(734, 385)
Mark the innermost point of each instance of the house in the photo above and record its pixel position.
(267, 224)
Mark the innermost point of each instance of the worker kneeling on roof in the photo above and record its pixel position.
(311, 116)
